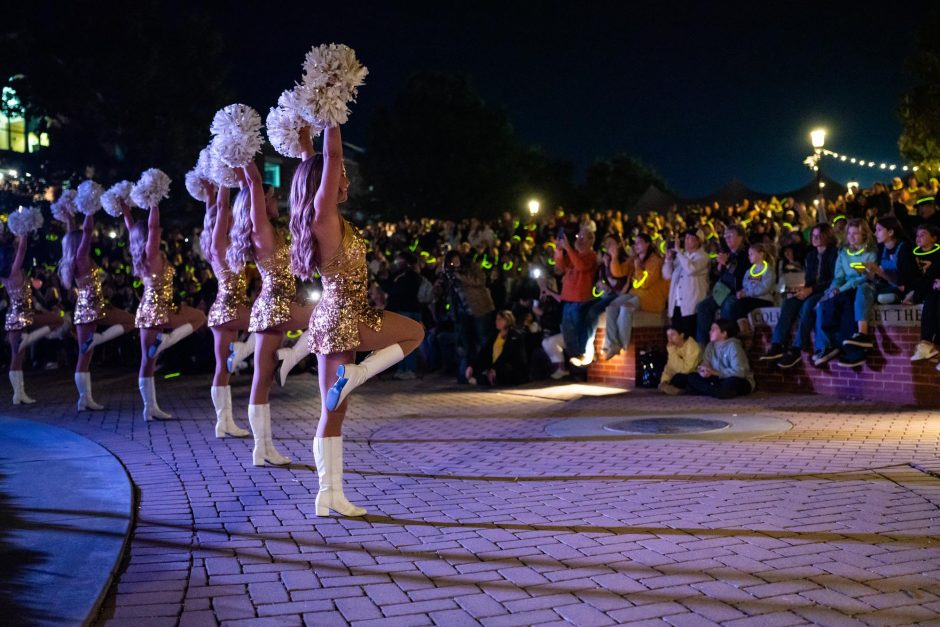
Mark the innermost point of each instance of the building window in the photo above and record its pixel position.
(17, 134)
(4, 132)
(272, 174)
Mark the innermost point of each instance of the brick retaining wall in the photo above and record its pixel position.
(888, 375)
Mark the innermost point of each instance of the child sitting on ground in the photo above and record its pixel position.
(684, 357)
(724, 371)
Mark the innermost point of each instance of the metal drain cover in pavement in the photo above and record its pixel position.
(666, 425)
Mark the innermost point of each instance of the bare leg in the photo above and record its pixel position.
(396, 329)
(331, 422)
(186, 315)
(119, 316)
(85, 333)
(268, 341)
(47, 319)
(299, 318)
(16, 355)
(222, 337)
(147, 337)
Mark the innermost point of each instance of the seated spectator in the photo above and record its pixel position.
(684, 356)
(724, 371)
(503, 361)
(732, 263)
(848, 276)
(687, 271)
(757, 288)
(927, 290)
(612, 284)
(820, 265)
(647, 291)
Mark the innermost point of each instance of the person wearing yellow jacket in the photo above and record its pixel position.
(645, 290)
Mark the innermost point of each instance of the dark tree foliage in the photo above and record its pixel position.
(440, 150)
(617, 183)
(125, 87)
(920, 107)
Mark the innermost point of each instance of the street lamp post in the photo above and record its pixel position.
(818, 138)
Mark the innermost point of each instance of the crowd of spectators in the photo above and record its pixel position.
(513, 299)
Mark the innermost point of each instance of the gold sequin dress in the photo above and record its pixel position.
(278, 288)
(232, 294)
(20, 312)
(90, 305)
(334, 323)
(157, 302)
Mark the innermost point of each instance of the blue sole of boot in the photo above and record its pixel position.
(333, 394)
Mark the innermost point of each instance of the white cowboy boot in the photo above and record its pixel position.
(85, 400)
(351, 376)
(259, 417)
(148, 393)
(173, 337)
(240, 351)
(328, 455)
(19, 393)
(33, 336)
(290, 357)
(224, 424)
(114, 331)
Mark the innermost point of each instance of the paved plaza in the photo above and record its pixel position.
(512, 508)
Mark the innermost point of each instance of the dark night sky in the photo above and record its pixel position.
(701, 93)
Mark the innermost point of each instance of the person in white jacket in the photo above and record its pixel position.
(687, 270)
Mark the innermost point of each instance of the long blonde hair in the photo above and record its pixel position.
(303, 191)
(138, 246)
(205, 238)
(241, 250)
(70, 243)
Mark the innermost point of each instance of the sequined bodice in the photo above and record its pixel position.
(347, 272)
(232, 285)
(275, 271)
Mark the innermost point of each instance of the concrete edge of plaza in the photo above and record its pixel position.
(66, 520)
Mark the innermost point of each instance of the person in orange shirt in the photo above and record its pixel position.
(645, 290)
(578, 262)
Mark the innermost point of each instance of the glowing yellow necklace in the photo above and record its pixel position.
(858, 252)
(763, 270)
(935, 248)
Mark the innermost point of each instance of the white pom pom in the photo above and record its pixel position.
(284, 128)
(117, 195)
(88, 197)
(152, 187)
(237, 130)
(25, 220)
(204, 163)
(195, 187)
(64, 208)
(217, 172)
(333, 75)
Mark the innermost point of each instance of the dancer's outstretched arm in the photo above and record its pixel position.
(223, 220)
(153, 234)
(20, 255)
(262, 231)
(84, 247)
(328, 192)
(306, 144)
(128, 216)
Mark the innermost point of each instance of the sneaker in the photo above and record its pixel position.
(790, 358)
(852, 359)
(671, 390)
(560, 373)
(776, 352)
(862, 340)
(824, 355)
(472, 381)
(608, 354)
(581, 362)
(924, 350)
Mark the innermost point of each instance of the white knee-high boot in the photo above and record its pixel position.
(112, 332)
(224, 423)
(148, 392)
(85, 400)
(19, 393)
(173, 337)
(259, 417)
(34, 336)
(351, 376)
(328, 455)
(291, 356)
(240, 351)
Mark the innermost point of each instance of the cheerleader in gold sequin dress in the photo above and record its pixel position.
(24, 326)
(229, 313)
(254, 238)
(76, 269)
(156, 312)
(343, 322)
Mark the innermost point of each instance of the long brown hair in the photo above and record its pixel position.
(303, 191)
(241, 250)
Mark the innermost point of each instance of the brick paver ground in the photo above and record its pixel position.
(477, 516)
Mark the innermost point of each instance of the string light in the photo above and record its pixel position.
(812, 162)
